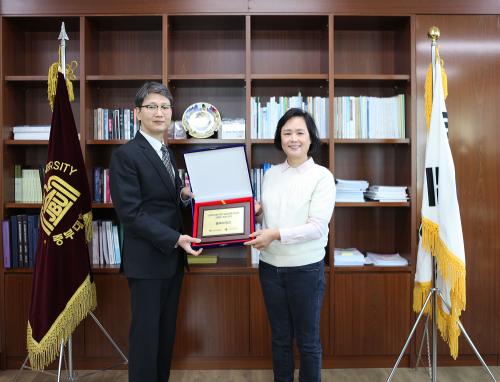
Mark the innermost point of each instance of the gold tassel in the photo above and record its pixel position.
(428, 90)
(448, 327)
(420, 293)
(452, 270)
(52, 79)
(81, 303)
(87, 221)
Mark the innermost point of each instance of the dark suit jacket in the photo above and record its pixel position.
(148, 206)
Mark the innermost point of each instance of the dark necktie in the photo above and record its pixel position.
(165, 157)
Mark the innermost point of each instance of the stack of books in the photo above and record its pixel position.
(386, 260)
(266, 112)
(369, 117)
(107, 243)
(31, 132)
(348, 257)
(387, 193)
(350, 190)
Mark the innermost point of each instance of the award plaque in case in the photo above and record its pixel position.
(223, 205)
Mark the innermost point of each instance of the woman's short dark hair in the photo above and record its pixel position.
(151, 87)
(311, 128)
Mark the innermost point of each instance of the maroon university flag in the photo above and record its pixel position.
(63, 289)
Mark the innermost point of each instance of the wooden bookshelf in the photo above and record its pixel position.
(225, 60)
(225, 53)
(205, 58)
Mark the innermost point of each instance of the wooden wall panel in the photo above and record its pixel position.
(17, 300)
(61, 7)
(213, 318)
(17, 303)
(200, 45)
(470, 49)
(288, 45)
(113, 312)
(393, 7)
(371, 314)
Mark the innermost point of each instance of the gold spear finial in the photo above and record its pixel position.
(434, 33)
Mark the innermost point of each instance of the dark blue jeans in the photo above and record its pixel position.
(293, 297)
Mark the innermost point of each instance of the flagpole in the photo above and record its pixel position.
(63, 37)
(434, 35)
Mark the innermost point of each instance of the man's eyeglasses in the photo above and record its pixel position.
(153, 108)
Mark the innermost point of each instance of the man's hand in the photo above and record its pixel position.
(258, 208)
(186, 193)
(263, 237)
(185, 243)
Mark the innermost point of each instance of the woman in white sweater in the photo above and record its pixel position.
(298, 197)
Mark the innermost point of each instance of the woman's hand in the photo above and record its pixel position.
(263, 237)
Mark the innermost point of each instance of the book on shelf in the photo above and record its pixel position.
(18, 184)
(348, 257)
(14, 247)
(120, 123)
(350, 190)
(31, 132)
(22, 241)
(202, 259)
(257, 177)
(101, 191)
(106, 246)
(116, 244)
(6, 245)
(20, 234)
(369, 117)
(387, 193)
(28, 184)
(264, 116)
(254, 252)
(386, 260)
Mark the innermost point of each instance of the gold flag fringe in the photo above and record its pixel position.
(87, 221)
(44, 352)
(428, 90)
(420, 293)
(52, 79)
(452, 270)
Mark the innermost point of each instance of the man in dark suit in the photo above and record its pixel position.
(146, 192)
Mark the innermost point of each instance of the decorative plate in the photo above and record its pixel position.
(201, 120)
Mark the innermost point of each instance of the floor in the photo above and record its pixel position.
(444, 374)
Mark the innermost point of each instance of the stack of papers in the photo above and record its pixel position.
(31, 132)
(348, 257)
(350, 190)
(386, 260)
(387, 193)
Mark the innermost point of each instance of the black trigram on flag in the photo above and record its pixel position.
(445, 119)
(432, 177)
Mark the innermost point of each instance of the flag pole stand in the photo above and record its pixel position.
(68, 360)
(434, 293)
